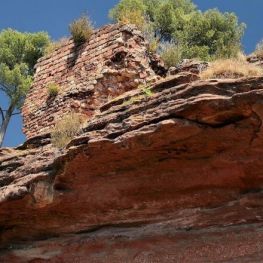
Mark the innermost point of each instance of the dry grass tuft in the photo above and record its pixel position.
(66, 129)
(53, 89)
(231, 68)
(81, 30)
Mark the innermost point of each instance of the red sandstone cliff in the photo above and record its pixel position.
(175, 176)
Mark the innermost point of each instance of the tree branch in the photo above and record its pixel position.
(15, 113)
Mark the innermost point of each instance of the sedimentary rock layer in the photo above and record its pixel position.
(170, 175)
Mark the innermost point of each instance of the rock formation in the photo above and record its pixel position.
(174, 175)
(113, 61)
(256, 60)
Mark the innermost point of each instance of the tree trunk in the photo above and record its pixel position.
(5, 123)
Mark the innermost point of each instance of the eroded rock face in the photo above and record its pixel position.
(113, 61)
(256, 60)
(171, 176)
(189, 65)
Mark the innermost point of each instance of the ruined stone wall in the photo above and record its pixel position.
(112, 62)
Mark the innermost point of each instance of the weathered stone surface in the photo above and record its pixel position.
(258, 61)
(189, 65)
(113, 61)
(175, 176)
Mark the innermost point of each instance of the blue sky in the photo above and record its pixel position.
(54, 16)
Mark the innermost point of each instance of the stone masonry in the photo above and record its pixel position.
(113, 61)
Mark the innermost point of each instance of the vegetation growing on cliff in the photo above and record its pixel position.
(81, 29)
(205, 35)
(66, 129)
(175, 29)
(18, 55)
(53, 90)
(231, 68)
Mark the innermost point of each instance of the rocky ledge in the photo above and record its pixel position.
(170, 175)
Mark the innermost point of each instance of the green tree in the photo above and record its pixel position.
(129, 12)
(123, 8)
(171, 16)
(205, 35)
(210, 35)
(18, 55)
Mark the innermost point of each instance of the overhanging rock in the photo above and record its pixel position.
(174, 176)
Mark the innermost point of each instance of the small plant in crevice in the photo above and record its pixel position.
(53, 90)
(81, 29)
(147, 92)
(66, 129)
(132, 100)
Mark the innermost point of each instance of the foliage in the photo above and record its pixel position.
(132, 17)
(54, 45)
(17, 48)
(171, 53)
(259, 49)
(66, 129)
(132, 100)
(171, 17)
(205, 35)
(16, 82)
(153, 46)
(149, 35)
(81, 29)
(146, 90)
(129, 12)
(18, 55)
(53, 89)
(231, 68)
(210, 35)
(150, 8)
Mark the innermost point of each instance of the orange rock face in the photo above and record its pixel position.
(171, 176)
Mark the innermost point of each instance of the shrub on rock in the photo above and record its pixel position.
(81, 30)
(53, 89)
(66, 129)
